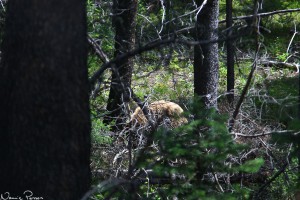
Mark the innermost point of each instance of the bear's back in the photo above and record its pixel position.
(159, 111)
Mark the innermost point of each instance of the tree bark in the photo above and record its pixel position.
(124, 21)
(206, 62)
(44, 118)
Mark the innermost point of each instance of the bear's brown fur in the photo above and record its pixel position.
(159, 111)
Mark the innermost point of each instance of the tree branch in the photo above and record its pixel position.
(264, 14)
(264, 134)
(148, 47)
(103, 57)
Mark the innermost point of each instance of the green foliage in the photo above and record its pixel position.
(200, 153)
(286, 139)
(242, 71)
(284, 186)
(222, 76)
(291, 136)
(98, 128)
(282, 57)
(99, 24)
(93, 64)
(246, 6)
(252, 166)
(100, 29)
(172, 83)
(278, 47)
(283, 87)
(278, 100)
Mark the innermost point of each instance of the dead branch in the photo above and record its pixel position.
(263, 134)
(263, 14)
(103, 57)
(243, 95)
(147, 47)
(277, 64)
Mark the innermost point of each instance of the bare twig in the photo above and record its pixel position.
(200, 8)
(218, 183)
(163, 16)
(295, 33)
(2, 2)
(147, 19)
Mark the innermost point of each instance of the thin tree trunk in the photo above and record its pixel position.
(230, 53)
(124, 21)
(206, 62)
(44, 101)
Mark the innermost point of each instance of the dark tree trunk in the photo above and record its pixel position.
(206, 62)
(230, 53)
(44, 102)
(124, 22)
(298, 145)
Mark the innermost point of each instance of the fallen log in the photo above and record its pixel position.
(277, 64)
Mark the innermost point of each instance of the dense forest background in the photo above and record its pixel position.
(232, 66)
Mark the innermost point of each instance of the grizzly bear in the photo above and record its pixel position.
(165, 113)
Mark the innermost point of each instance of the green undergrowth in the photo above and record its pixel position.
(279, 100)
